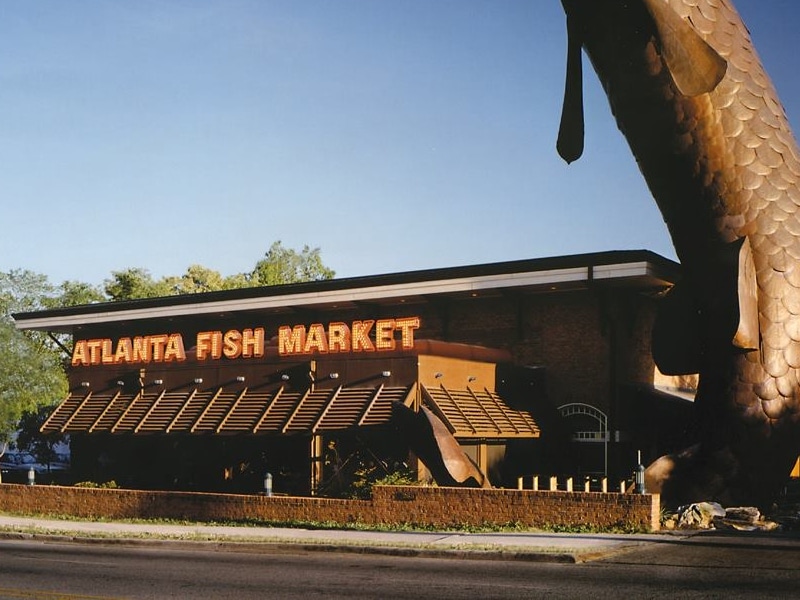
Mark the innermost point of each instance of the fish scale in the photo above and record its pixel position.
(712, 140)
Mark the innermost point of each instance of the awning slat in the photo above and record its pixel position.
(479, 414)
(467, 413)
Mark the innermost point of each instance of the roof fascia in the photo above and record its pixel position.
(66, 319)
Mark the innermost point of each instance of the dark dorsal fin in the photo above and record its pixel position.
(570, 131)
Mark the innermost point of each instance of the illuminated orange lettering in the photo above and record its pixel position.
(209, 343)
(157, 344)
(253, 343)
(174, 348)
(360, 336)
(232, 344)
(248, 343)
(94, 351)
(106, 353)
(384, 334)
(338, 337)
(203, 344)
(80, 354)
(316, 340)
(141, 350)
(291, 340)
(124, 351)
(407, 325)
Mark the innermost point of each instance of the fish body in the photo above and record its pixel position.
(705, 125)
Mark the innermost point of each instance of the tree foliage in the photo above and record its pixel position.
(41, 445)
(31, 373)
(283, 265)
(132, 283)
(279, 266)
(75, 293)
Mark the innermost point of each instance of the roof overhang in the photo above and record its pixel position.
(632, 268)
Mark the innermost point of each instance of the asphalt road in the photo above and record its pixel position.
(709, 566)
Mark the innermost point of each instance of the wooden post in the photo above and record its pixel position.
(587, 485)
(423, 474)
(535, 483)
(519, 484)
(553, 484)
(483, 457)
(569, 484)
(604, 483)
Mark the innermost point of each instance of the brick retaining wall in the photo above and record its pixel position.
(443, 506)
(424, 506)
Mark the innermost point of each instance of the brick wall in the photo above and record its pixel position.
(442, 506)
(423, 506)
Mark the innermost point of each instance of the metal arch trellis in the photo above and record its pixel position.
(580, 408)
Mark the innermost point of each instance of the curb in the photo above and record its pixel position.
(284, 546)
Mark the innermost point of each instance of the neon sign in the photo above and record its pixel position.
(340, 337)
(370, 335)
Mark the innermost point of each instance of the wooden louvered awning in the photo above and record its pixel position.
(483, 413)
(467, 413)
(227, 412)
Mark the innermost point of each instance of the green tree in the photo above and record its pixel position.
(280, 265)
(75, 293)
(134, 283)
(284, 265)
(31, 371)
(197, 279)
(30, 376)
(22, 291)
(30, 439)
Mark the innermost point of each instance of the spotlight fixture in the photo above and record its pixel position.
(240, 378)
(438, 375)
(198, 380)
(472, 378)
(334, 376)
(120, 383)
(85, 384)
(158, 382)
(285, 377)
(386, 374)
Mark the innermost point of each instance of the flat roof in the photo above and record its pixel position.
(637, 268)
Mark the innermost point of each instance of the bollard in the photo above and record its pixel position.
(31, 476)
(535, 483)
(553, 484)
(622, 487)
(519, 484)
(268, 484)
(569, 484)
(587, 485)
(604, 483)
(638, 476)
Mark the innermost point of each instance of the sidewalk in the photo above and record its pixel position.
(542, 547)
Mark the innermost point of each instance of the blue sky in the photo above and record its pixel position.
(393, 134)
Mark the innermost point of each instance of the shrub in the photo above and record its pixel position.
(111, 485)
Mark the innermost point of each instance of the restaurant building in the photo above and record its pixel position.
(473, 375)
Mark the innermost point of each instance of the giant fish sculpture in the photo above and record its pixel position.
(704, 123)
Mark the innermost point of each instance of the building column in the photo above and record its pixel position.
(316, 463)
